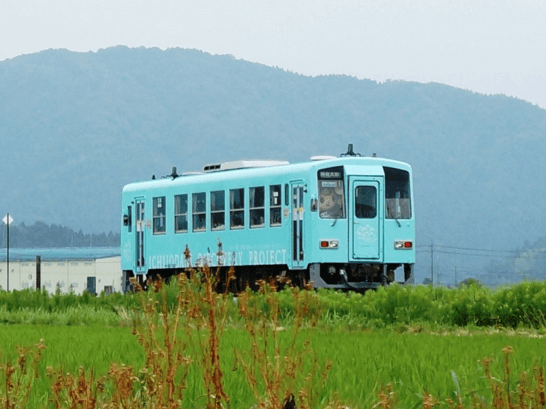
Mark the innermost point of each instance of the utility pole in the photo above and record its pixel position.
(432, 262)
(7, 220)
(38, 272)
(7, 247)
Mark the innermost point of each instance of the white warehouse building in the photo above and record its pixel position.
(68, 269)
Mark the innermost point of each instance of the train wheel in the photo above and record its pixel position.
(127, 286)
(242, 279)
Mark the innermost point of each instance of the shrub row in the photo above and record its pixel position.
(513, 306)
(523, 304)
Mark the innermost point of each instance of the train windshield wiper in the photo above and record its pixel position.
(391, 216)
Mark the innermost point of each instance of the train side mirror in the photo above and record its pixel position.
(125, 220)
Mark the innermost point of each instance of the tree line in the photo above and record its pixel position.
(41, 234)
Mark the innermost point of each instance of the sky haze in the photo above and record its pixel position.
(487, 46)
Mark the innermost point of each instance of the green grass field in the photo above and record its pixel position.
(389, 348)
(362, 361)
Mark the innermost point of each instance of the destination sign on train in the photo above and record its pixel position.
(330, 175)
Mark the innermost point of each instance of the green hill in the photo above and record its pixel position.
(76, 127)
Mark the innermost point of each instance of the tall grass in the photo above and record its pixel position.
(276, 366)
(178, 336)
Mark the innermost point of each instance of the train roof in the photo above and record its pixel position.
(259, 167)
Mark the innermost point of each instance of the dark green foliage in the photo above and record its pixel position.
(42, 235)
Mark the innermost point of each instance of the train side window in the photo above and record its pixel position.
(286, 195)
(257, 206)
(181, 214)
(199, 209)
(237, 208)
(217, 210)
(366, 202)
(275, 204)
(159, 215)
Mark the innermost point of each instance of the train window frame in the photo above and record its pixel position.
(159, 215)
(256, 205)
(275, 205)
(397, 194)
(179, 215)
(237, 209)
(129, 219)
(367, 208)
(218, 210)
(199, 212)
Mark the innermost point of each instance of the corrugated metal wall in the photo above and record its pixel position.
(67, 275)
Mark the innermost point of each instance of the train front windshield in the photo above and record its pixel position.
(398, 194)
(331, 193)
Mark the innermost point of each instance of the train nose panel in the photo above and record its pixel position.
(365, 208)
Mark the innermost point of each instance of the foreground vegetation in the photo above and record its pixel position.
(183, 345)
(515, 306)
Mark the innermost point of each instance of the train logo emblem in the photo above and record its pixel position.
(366, 234)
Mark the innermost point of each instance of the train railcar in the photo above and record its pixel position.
(338, 222)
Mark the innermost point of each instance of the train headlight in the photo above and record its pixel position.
(403, 245)
(329, 244)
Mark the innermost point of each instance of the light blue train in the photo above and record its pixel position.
(344, 222)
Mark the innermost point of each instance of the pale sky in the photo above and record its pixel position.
(487, 46)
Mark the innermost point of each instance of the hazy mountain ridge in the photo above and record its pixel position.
(76, 127)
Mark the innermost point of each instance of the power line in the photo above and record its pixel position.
(479, 249)
(538, 254)
(485, 255)
(476, 249)
(468, 254)
(473, 255)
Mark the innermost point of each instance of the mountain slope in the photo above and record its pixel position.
(76, 127)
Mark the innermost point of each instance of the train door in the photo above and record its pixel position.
(297, 223)
(364, 216)
(139, 233)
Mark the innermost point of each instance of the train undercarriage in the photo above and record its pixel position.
(345, 276)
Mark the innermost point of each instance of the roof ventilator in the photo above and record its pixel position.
(244, 164)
